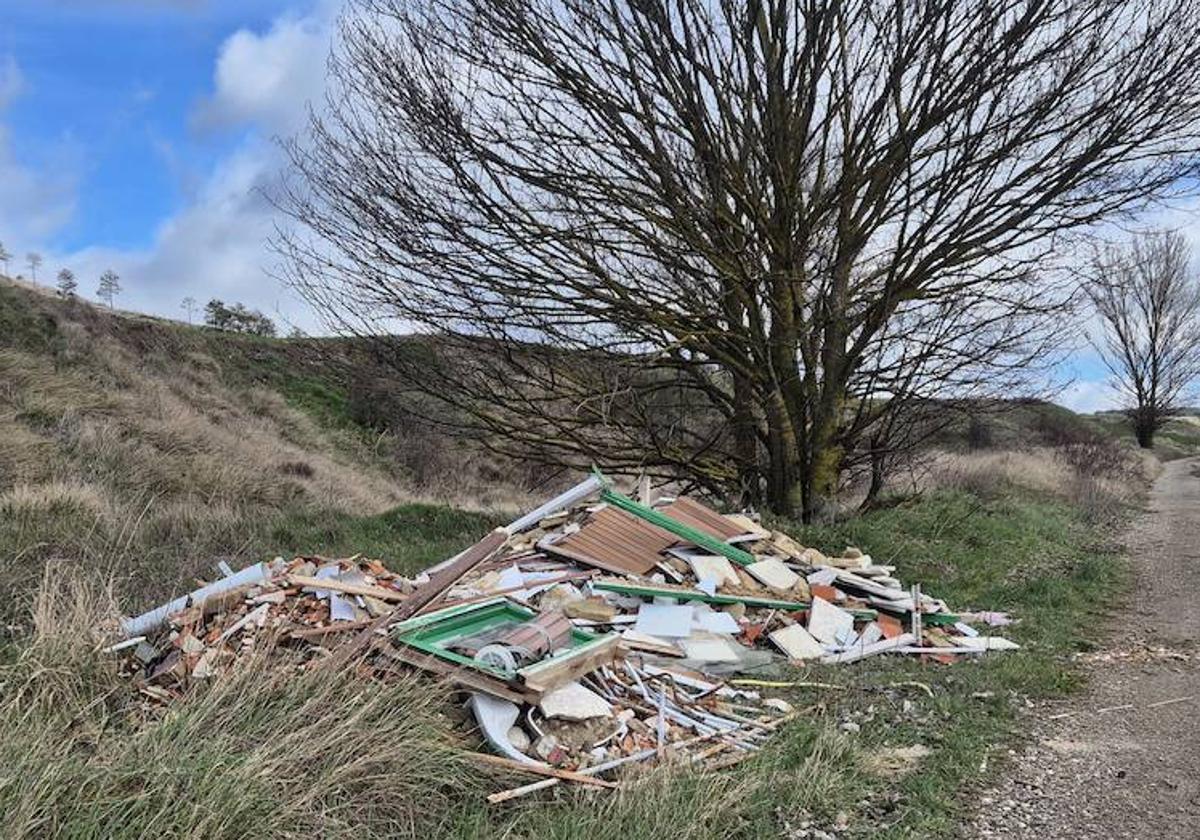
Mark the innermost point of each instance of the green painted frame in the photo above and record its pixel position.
(433, 632)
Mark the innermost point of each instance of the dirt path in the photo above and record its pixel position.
(1101, 770)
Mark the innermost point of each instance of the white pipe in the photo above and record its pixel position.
(147, 621)
(576, 494)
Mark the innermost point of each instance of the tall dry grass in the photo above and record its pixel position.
(266, 751)
(1100, 477)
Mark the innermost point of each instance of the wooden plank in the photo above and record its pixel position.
(546, 676)
(541, 770)
(466, 678)
(335, 585)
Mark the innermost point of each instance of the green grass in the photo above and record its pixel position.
(1033, 557)
(408, 538)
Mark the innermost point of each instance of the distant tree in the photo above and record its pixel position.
(1148, 300)
(110, 287)
(34, 260)
(66, 283)
(237, 318)
(216, 314)
(189, 306)
(5, 256)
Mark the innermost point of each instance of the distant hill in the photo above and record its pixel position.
(151, 447)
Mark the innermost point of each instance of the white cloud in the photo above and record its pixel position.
(36, 198)
(217, 245)
(268, 79)
(1088, 396)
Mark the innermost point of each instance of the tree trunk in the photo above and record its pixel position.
(1143, 429)
(878, 480)
(782, 463)
(745, 445)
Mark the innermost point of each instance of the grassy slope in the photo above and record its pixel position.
(147, 450)
(1179, 438)
(80, 403)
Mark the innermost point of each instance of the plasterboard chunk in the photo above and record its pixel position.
(668, 620)
(708, 647)
(796, 642)
(715, 622)
(574, 702)
(713, 567)
(774, 574)
(829, 624)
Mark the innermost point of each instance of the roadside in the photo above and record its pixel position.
(1122, 759)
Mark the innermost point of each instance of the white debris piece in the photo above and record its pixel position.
(773, 573)
(574, 702)
(986, 643)
(830, 624)
(796, 642)
(669, 620)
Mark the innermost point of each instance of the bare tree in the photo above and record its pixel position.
(34, 261)
(67, 284)
(721, 242)
(1148, 298)
(109, 288)
(5, 256)
(190, 307)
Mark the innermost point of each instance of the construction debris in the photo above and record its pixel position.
(588, 635)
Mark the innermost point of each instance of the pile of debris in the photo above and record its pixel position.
(590, 633)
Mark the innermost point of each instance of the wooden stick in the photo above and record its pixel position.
(349, 588)
(541, 770)
(474, 599)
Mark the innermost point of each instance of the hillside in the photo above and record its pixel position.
(151, 449)
(143, 451)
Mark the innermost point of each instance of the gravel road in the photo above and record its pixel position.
(1122, 760)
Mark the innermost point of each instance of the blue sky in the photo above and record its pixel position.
(136, 135)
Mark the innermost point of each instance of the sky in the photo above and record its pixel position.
(138, 135)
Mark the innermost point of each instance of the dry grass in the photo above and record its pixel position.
(1102, 478)
(264, 752)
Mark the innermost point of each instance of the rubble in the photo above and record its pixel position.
(593, 633)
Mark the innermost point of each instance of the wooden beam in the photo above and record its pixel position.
(335, 585)
(541, 770)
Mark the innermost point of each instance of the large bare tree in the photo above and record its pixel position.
(1147, 297)
(723, 239)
